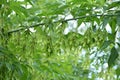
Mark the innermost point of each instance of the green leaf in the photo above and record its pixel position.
(105, 44)
(118, 44)
(118, 19)
(114, 4)
(118, 71)
(94, 28)
(112, 36)
(29, 1)
(8, 65)
(113, 24)
(100, 2)
(105, 21)
(16, 6)
(113, 56)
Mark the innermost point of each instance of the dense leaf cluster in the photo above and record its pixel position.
(59, 39)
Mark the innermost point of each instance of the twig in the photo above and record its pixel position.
(81, 17)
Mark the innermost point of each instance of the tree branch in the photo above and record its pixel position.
(23, 28)
(81, 17)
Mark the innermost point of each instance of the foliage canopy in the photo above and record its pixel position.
(59, 40)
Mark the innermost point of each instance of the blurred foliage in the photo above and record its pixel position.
(59, 40)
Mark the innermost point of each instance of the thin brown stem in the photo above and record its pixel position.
(81, 17)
